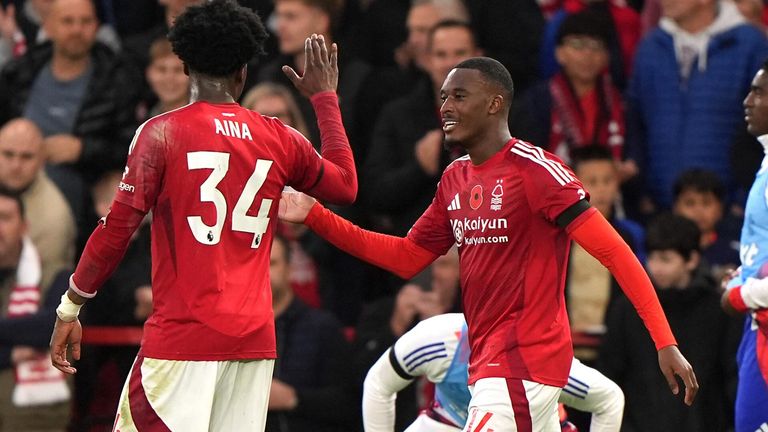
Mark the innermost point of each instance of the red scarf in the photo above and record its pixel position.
(567, 118)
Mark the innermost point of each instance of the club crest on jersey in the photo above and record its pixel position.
(476, 197)
(458, 233)
(496, 194)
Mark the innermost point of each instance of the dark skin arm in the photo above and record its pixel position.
(66, 334)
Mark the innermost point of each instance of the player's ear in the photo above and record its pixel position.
(496, 104)
(186, 69)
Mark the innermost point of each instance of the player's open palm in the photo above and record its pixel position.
(321, 69)
(295, 206)
(672, 363)
(65, 334)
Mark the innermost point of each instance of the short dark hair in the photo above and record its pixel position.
(217, 37)
(699, 180)
(452, 23)
(587, 23)
(589, 153)
(15, 196)
(673, 232)
(493, 71)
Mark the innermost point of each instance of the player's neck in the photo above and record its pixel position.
(208, 89)
(483, 147)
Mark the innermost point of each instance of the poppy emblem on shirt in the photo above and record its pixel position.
(476, 197)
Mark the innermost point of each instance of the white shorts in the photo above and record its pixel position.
(590, 391)
(512, 405)
(194, 396)
(424, 423)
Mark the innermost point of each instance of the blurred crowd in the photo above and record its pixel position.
(643, 98)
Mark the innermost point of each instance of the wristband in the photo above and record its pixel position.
(68, 310)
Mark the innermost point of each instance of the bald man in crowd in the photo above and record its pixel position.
(51, 225)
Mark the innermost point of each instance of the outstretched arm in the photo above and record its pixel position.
(597, 236)
(337, 179)
(398, 255)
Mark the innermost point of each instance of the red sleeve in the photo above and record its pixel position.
(597, 236)
(105, 248)
(398, 255)
(144, 170)
(332, 177)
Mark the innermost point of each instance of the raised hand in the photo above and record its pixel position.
(295, 206)
(672, 363)
(321, 69)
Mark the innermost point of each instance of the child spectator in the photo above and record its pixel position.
(704, 333)
(699, 196)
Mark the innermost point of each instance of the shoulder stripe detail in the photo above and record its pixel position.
(543, 164)
(556, 169)
(412, 363)
(574, 394)
(557, 165)
(428, 359)
(422, 348)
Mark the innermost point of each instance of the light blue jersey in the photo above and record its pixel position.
(752, 393)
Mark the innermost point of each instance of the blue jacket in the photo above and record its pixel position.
(675, 125)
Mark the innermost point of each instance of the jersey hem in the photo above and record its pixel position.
(250, 355)
(550, 381)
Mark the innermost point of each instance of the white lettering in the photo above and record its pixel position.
(234, 128)
(246, 132)
(230, 128)
(219, 128)
(126, 187)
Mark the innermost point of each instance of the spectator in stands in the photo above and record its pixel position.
(700, 196)
(407, 154)
(394, 33)
(433, 292)
(51, 224)
(33, 397)
(623, 30)
(137, 47)
(275, 100)
(704, 333)
(410, 59)
(23, 29)
(510, 31)
(313, 386)
(590, 289)
(579, 106)
(76, 91)
(166, 78)
(684, 98)
(296, 20)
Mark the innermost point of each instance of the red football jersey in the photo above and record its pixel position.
(212, 174)
(513, 258)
